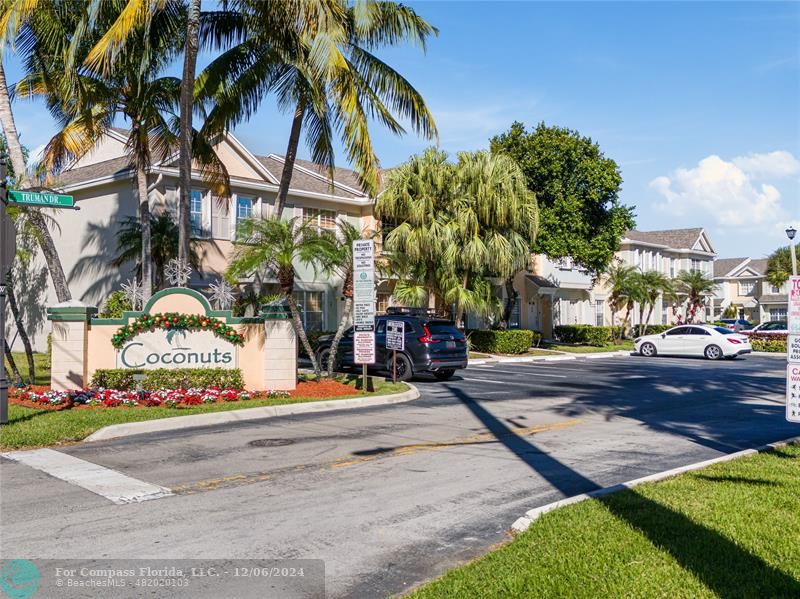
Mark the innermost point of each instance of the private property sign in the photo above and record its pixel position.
(364, 301)
(793, 352)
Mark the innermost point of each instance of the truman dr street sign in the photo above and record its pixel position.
(39, 198)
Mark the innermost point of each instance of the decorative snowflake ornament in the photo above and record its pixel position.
(134, 293)
(221, 294)
(177, 272)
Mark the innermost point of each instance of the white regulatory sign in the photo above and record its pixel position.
(364, 347)
(364, 313)
(793, 349)
(793, 313)
(793, 393)
(395, 335)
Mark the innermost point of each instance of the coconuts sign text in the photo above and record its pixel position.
(177, 349)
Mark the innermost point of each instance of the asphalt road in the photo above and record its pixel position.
(390, 497)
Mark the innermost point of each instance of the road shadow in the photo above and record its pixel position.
(724, 567)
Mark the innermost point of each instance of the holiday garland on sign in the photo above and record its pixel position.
(173, 321)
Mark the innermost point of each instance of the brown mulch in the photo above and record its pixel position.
(324, 388)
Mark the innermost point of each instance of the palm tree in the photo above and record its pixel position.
(654, 284)
(275, 244)
(163, 246)
(336, 258)
(323, 71)
(622, 282)
(696, 285)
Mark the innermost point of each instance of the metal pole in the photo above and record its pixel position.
(794, 257)
(364, 377)
(394, 365)
(3, 376)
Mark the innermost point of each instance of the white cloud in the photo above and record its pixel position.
(731, 193)
(775, 164)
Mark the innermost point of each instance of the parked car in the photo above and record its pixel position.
(769, 328)
(713, 342)
(737, 324)
(433, 345)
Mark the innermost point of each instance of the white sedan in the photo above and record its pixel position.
(694, 340)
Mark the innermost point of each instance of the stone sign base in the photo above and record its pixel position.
(83, 343)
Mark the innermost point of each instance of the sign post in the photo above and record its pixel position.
(8, 247)
(395, 341)
(793, 352)
(364, 304)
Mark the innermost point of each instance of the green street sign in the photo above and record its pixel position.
(38, 198)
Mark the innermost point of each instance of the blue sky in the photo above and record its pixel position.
(698, 103)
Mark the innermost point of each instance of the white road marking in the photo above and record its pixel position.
(105, 482)
(528, 384)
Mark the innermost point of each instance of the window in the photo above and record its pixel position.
(599, 312)
(746, 287)
(244, 209)
(698, 331)
(324, 219)
(696, 264)
(775, 289)
(664, 314)
(196, 213)
(382, 302)
(777, 314)
(310, 305)
(672, 264)
(220, 218)
(679, 331)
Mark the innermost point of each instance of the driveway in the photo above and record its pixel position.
(389, 497)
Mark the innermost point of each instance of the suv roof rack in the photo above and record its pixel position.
(407, 311)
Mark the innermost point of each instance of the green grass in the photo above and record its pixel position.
(41, 365)
(626, 345)
(731, 530)
(30, 427)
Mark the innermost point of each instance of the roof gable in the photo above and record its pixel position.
(674, 238)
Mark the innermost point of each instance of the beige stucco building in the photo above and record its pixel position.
(742, 284)
(104, 188)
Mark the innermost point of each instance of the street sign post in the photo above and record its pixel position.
(793, 352)
(395, 341)
(364, 304)
(40, 198)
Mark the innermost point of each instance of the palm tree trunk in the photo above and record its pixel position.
(649, 314)
(23, 335)
(628, 308)
(288, 163)
(185, 148)
(144, 219)
(45, 240)
(511, 299)
(11, 362)
(348, 307)
(459, 315)
(301, 333)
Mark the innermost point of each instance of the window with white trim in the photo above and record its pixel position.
(196, 213)
(311, 305)
(322, 219)
(696, 266)
(220, 218)
(775, 289)
(777, 314)
(746, 287)
(244, 209)
(599, 312)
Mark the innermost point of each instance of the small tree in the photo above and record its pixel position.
(779, 265)
(275, 244)
(696, 286)
(654, 285)
(621, 280)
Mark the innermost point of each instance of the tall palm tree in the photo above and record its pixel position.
(336, 258)
(654, 284)
(621, 281)
(276, 245)
(324, 72)
(697, 286)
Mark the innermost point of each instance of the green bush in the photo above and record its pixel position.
(513, 341)
(652, 329)
(584, 334)
(769, 343)
(115, 305)
(165, 378)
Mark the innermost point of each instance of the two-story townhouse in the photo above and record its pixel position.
(742, 284)
(103, 187)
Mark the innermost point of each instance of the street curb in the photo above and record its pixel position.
(556, 358)
(128, 429)
(768, 354)
(522, 524)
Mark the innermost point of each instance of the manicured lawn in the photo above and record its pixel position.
(41, 365)
(626, 345)
(731, 530)
(31, 427)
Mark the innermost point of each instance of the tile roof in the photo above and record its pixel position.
(115, 166)
(773, 299)
(673, 238)
(759, 265)
(722, 266)
(317, 182)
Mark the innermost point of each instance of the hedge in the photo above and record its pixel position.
(511, 341)
(652, 329)
(584, 334)
(775, 343)
(165, 378)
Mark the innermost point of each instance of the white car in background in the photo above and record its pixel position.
(710, 341)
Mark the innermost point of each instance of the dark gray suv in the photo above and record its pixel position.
(432, 344)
